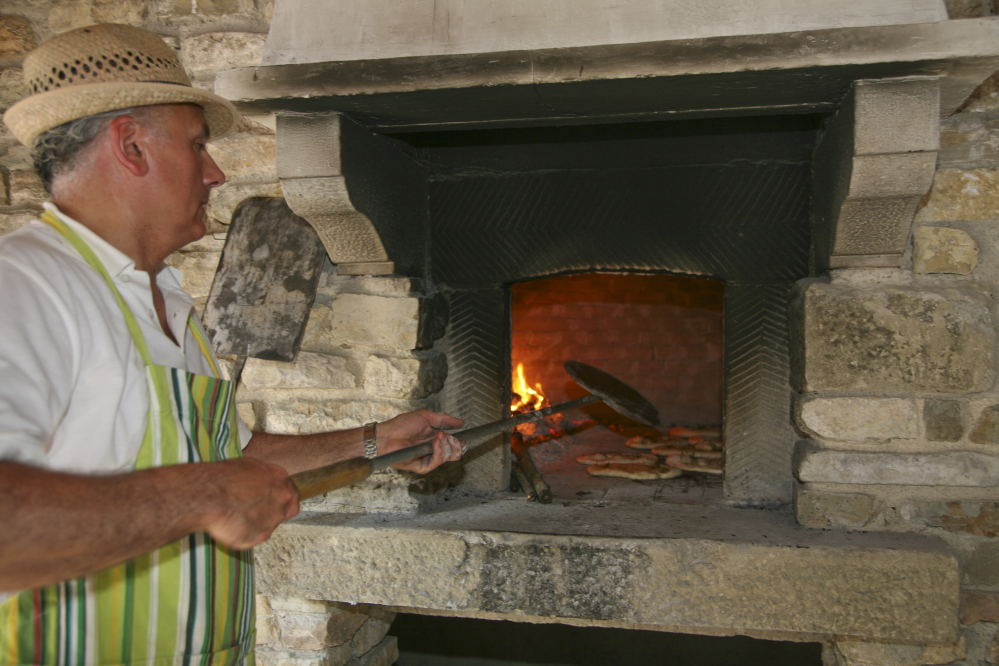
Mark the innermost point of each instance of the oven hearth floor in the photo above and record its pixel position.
(569, 481)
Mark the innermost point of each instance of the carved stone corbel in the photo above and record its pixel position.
(875, 161)
(310, 170)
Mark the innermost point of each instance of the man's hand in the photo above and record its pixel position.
(415, 428)
(253, 497)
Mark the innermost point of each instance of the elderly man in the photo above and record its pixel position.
(129, 489)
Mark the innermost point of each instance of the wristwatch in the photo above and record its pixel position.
(370, 433)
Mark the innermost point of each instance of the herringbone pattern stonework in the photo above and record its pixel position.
(743, 223)
(758, 433)
(478, 383)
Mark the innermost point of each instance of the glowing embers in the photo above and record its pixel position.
(525, 399)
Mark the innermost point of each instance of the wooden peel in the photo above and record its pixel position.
(602, 386)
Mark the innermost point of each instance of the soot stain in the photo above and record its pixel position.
(575, 580)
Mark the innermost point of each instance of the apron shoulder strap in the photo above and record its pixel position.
(89, 256)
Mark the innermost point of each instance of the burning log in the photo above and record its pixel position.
(528, 468)
(524, 483)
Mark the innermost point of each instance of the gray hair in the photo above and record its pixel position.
(56, 150)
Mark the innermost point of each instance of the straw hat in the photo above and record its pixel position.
(103, 68)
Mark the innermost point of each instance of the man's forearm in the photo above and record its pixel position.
(298, 453)
(59, 526)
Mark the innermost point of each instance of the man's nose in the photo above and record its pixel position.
(214, 176)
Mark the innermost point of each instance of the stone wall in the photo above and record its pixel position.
(897, 403)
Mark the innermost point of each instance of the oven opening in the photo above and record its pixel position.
(660, 334)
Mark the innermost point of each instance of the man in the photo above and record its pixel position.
(126, 504)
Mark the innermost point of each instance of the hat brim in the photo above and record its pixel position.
(39, 113)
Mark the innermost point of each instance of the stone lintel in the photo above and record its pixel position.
(686, 568)
(795, 72)
(366, 268)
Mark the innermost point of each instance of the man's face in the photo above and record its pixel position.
(184, 174)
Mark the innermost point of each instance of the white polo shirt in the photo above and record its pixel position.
(73, 394)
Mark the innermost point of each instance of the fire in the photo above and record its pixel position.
(525, 398)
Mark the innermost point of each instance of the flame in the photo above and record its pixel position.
(524, 396)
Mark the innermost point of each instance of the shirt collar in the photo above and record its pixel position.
(114, 260)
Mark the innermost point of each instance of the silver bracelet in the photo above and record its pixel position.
(370, 434)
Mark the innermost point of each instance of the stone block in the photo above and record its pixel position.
(986, 430)
(961, 9)
(246, 156)
(308, 371)
(268, 631)
(16, 36)
(204, 55)
(305, 631)
(224, 199)
(376, 321)
(301, 411)
(955, 468)
(959, 194)
(816, 508)
(385, 653)
(969, 141)
(129, 12)
(882, 654)
(896, 116)
(198, 269)
(331, 656)
(943, 250)
(968, 516)
(415, 378)
(384, 492)
(26, 189)
(859, 419)
(12, 88)
(16, 220)
(297, 605)
(979, 606)
(891, 339)
(981, 568)
(15, 155)
(372, 632)
(943, 420)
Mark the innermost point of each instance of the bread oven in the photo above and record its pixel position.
(755, 157)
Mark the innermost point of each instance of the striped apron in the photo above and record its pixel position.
(187, 603)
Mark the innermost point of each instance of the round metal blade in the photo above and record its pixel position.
(624, 399)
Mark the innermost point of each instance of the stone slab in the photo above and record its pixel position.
(859, 419)
(954, 468)
(318, 30)
(890, 339)
(701, 568)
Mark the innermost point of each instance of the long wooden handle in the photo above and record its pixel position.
(324, 479)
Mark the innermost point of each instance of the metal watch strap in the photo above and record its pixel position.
(370, 434)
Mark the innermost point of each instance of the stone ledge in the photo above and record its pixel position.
(698, 569)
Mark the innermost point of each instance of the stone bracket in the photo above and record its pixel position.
(874, 162)
(348, 198)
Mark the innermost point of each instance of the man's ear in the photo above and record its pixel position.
(126, 134)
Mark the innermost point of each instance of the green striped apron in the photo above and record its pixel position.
(187, 603)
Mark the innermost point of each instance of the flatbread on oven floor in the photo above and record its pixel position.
(634, 471)
(616, 457)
